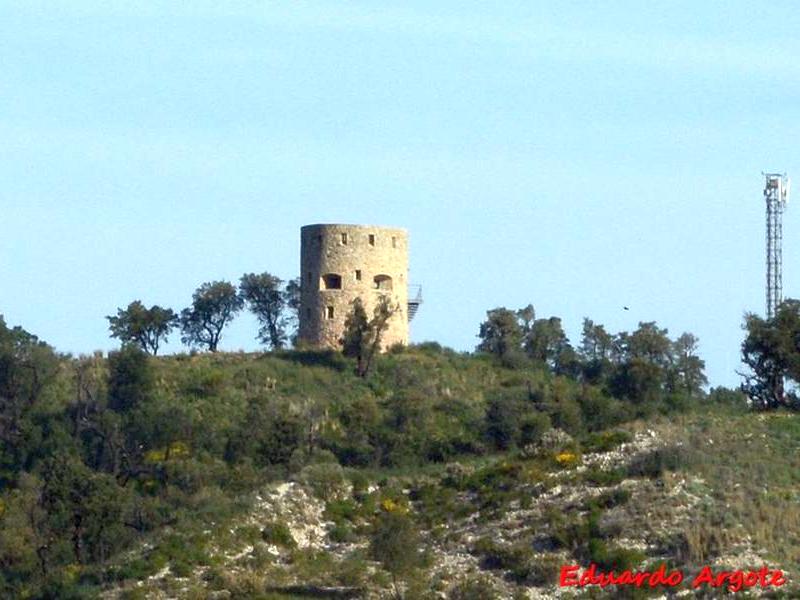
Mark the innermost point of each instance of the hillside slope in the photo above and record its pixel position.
(709, 488)
(442, 474)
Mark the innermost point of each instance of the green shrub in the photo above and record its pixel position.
(606, 441)
(359, 481)
(544, 571)
(501, 476)
(339, 511)
(395, 543)
(599, 477)
(532, 427)
(566, 415)
(614, 558)
(278, 533)
(342, 533)
(326, 481)
(598, 410)
(653, 464)
(352, 571)
(478, 587)
(616, 497)
(518, 560)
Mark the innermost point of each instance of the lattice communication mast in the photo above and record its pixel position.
(776, 194)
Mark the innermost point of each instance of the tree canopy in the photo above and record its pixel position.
(145, 327)
(362, 336)
(644, 366)
(265, 298)
(214, 305)
(771, 353)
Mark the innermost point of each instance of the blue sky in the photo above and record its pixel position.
(577, 156)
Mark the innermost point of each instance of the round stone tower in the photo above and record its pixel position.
(339, 263)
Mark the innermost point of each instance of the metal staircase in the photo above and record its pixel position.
(414, 300)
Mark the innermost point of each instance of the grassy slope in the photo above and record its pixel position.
(725, 490)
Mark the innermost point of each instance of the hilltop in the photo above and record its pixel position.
(272, 476)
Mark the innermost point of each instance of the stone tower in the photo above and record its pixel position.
(339, 263)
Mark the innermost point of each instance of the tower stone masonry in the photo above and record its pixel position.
(339, 263)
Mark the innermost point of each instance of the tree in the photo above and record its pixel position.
(771, 353)
(504, 412)
(362, 337)
(644, 362)
(214, 305)
(263, 295)
(145, 327)
(526, 316)
(596, 342)
(130, 379)
(501, 333)
(395, 544)
(291, 296)
(595, 351)
(82, 506)
(27, 366)
(546, 342)
(688, 368)
(651, 344)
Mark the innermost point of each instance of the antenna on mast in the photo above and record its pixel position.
(776, 194)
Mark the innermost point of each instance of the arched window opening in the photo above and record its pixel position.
(331, 281)
(383, 282)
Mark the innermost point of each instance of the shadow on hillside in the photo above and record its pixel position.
(315, 358)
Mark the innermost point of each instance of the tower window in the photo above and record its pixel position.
(319, 239)
(344, 239)
(308, 313)
(331, 281)
(394, 242)
(358, 274)
(308, 277)
(371, 239)
(383, 282)
(329, 312)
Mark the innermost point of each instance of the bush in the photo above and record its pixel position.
(395, 543)
(606, 441)
(615, 558)
(544, 570)
(503, 414)
(278, 533)
(457, 475)
(727, 397)
(566, 415)
(598, 410)
(130, 378)
(611, 499)
(518, 560)
(339, 511)
(478, 587)
(301, 458)
(653, 464)
(602, 478)
(533, 427)
(501, 476)
(326, 481)
(555, 441)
